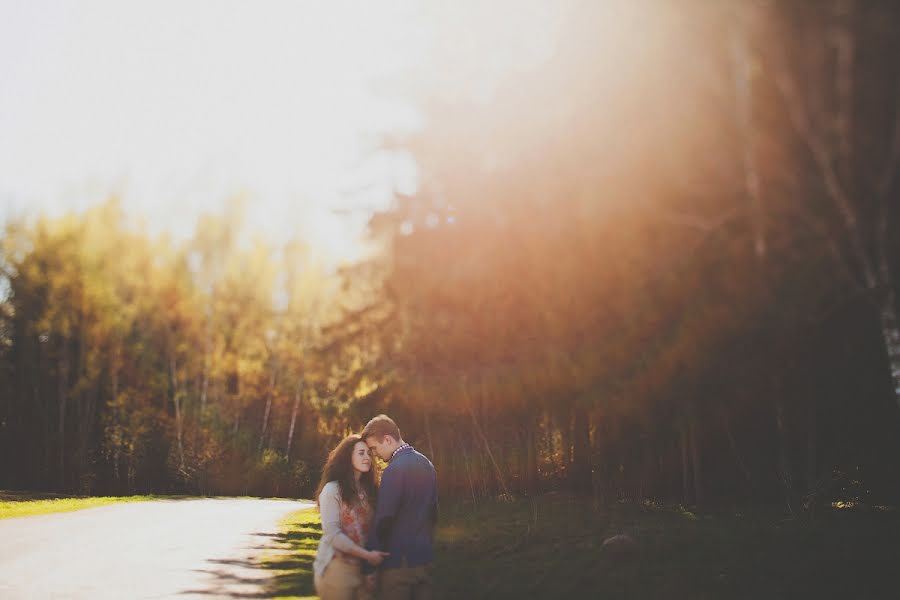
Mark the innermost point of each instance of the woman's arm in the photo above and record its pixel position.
(330, 511)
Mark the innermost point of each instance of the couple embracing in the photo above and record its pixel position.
(376, 538)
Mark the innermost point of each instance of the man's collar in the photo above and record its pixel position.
(399, 449)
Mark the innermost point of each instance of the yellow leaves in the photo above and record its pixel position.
(365, 387)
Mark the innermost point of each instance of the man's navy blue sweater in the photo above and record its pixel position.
(406, 512)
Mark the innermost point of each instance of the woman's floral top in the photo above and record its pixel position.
(355, 523)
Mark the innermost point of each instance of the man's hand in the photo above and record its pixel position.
(371, 582)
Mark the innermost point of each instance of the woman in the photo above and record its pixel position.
(346, 499)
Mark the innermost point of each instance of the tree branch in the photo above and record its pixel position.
(825, 164)
(840, 259)
(692, 221)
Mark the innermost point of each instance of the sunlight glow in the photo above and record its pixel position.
(175, 107)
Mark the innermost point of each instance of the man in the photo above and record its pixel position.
(405, 515)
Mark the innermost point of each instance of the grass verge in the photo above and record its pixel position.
(552, 547)
(291, 558)
(23, 504)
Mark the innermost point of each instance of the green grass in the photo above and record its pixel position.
(292, 557)
(24, 504)
(551, 547)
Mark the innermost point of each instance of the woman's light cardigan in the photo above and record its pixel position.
(332, 536)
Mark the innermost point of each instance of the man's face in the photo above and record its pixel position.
(382, 447)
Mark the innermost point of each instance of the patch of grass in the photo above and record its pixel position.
(23, 504)
(552, 547)
(291, 559)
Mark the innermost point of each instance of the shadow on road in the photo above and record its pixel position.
(281, 567)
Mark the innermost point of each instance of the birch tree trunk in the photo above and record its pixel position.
(696, 461)
(462, 445)
(752, 188)
(890, 335)
(62, 397)
(785, 465)
(176, 401)
(207, 366)
(581, 451)
(738, 459)
(743, 93)
(422, 402)
(685, 464)
(265, 422)
(531, 469)
(294, 410)
(487, 447)
(866, 266)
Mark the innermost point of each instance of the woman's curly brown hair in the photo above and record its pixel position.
(339, 467)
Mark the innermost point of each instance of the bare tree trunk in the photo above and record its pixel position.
(207, 358)
(204, 390)
(648, 468)
(785, 467)
(812, 468)
(868, 270)
(752, 188)
(114, 375)
(695, 461)
(81, 399)
(599, 460)
(428, 433)
(87, 434)
(487, 447)
(265, 422)
(297, 394)
(465, 453)
(890, 335)
(479, 467)
(531, 470)
(738, 459)
(176, 400)
(62, 396)
(845, 55)
(564, 422)
(685, 463)
(743, 85)
(581, 452)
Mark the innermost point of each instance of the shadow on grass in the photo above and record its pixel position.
(283, 567)
(292, 564)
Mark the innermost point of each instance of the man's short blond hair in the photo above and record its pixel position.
(381, 426)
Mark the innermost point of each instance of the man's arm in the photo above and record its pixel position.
(390, 496)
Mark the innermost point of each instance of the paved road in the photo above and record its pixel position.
(184, 549)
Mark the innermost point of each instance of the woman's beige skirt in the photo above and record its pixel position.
(342, 580)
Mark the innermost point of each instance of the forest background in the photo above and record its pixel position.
(669, 282)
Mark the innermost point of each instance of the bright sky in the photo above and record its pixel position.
(178, 105)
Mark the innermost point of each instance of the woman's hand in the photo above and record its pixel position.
(375, 557)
